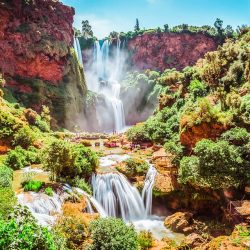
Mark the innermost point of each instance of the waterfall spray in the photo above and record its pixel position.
(78, 50)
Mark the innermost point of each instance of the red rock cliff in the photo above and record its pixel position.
(38, 65)
(169, 50)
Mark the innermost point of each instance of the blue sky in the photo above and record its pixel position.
(119, 15)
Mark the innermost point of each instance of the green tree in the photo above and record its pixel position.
(218, 25)
(137, 25)
(112, 234)
(215, 165)
(166, 28)
(86, 29)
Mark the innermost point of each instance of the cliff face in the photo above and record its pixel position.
(169, 50)
(36, 59)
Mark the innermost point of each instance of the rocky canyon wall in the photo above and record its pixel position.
(36, 59)
(158, 51)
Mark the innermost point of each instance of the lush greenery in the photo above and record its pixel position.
(21, 231)
(135, 166)
(67, 161)
(112, 233)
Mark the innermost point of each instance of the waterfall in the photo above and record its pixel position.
(78, 50)
(117, 196)
(43, 207)
(107, 67)
(120, 199)
(147, 191)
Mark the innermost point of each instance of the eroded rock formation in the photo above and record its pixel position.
(169, 50)
(36, 59)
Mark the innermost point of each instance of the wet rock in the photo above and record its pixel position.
(179, 221)
(193, 240)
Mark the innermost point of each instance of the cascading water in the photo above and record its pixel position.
(78, 50)
(148, 189)
(117, 196)
(107, 64)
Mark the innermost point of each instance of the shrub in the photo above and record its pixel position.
(48, 191)
(66, 160)
(112, 233)
(19, 157)
(7, 124)
(237, 136)
(7, 201)
(42, 125)
(174, 147)
(145, 240)
(197, 89)
(82, 184)
(24, 137)
(32, 186)
(16, 159)
(216, 165)
(138, 133)
(86, 143)
(21, 231)
(6, 176)
(135, 166)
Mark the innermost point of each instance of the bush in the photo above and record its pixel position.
(86, 143)
(215, 165)
(42, 125)
(82, 184)
(16, 159)
(21, 231)
(7, 124)
(236, 136)
(112, 233)
(197, 89)
(19, 157)
(7, 201)
(32, 186)
(66, 160)
(48, 191)
(145, 240)
(135, 166)
(138, 133)
(6, 176)
(24, 137)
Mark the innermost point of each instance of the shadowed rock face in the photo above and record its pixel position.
(38, 65)
(169, 50)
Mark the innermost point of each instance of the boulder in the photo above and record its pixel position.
(177, 222)
(193, 240)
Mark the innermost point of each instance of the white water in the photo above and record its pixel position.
(105, 77)
(147, 191)
(78, 50)
(43, 207)
(117, 196)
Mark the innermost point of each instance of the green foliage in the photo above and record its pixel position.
(215, 165)
(66, 160)
(21, 232)
(112, 233)
(82, 184)
(236, 136)
(7, 201)
(19, 157)
(24, 137)
(145, 240)
(48, 191)
(135, 166)
(138, 133)
(197, 89)
(203, 111)
(174, 147)
(32, 186)
(7, 124)
(6, 176)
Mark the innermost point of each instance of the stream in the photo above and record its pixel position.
(113, 195)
